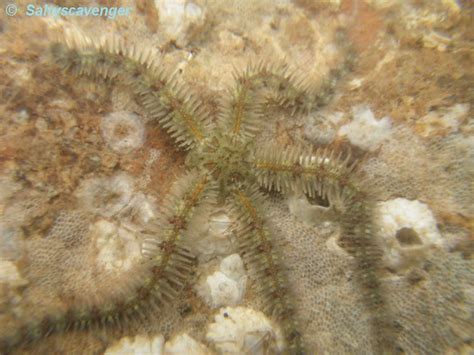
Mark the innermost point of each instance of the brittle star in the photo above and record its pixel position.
(224, 166)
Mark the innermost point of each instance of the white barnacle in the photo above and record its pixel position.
(106, 196)
(123, 131)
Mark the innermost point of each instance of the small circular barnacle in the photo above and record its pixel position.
(106, 196)
(123, 131)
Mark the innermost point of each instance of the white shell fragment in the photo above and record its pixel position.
(137, 346)
(242, 330)
(225, 287)
(184, 344)
(365, 131)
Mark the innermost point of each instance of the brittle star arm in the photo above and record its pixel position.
(168, 264)
(264, 86)
(160, 94)
(331, 176)
(255, 91)
(262, 262)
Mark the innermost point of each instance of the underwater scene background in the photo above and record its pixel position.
(236, 177)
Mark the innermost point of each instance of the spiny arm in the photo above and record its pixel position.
(315, 172)
(166, 270)
(161, 95)
(168, 252)
(332, 176)
(264, 86)
(255, 91)
(256, 247)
